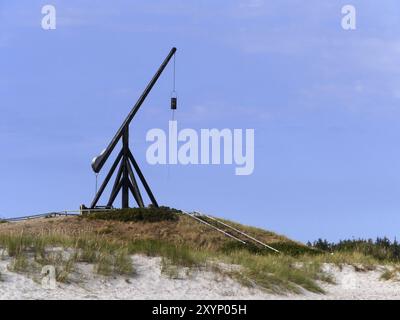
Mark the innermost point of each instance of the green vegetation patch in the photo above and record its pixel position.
(289, 248)
(381, 249)
(149, 214)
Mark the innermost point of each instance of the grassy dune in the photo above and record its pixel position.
(106, 241)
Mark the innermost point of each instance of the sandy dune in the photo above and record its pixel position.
(150, 283)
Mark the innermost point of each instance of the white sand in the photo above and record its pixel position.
(150, 283)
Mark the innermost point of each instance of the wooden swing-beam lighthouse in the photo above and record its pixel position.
(125, 179)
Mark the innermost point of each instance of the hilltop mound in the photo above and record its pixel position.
(162, 252)
(168, 226)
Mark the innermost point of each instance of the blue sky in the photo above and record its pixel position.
(324, 103)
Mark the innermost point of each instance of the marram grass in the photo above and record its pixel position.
(276, 273)
(108, 248)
